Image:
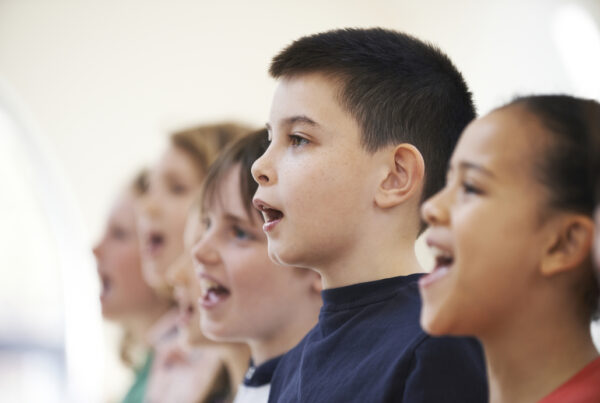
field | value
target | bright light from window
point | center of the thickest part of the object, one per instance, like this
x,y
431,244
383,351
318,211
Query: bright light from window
x,y
50,324
578,40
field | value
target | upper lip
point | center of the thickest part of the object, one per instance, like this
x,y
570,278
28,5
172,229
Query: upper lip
x,y
261,205
441,248
267,210
206,276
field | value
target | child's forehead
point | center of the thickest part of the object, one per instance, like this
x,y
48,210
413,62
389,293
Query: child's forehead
x,y
313,95
501,140
310,101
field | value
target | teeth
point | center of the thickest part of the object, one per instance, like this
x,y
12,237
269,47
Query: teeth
x,y
440,253
206,285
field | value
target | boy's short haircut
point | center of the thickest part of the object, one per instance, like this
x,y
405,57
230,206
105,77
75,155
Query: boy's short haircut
x,y
244,151
398,89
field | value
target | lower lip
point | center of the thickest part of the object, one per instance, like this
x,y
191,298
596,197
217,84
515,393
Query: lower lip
x,y
212,300
104,293
153,251
433,277
268,226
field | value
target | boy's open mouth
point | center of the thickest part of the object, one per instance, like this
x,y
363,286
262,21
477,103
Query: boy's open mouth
x,y
213,292
271,215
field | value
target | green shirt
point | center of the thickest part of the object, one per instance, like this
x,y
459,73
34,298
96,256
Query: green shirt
x,y
137,392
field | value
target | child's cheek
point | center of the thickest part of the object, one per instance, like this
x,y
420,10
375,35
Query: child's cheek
x,y
597,241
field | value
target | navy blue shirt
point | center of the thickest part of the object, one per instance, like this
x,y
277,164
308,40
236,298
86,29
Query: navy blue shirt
x,y
369,347
261,375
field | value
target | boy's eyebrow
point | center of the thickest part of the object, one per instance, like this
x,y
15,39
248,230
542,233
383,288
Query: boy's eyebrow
x,y
295,119
301,119
465,165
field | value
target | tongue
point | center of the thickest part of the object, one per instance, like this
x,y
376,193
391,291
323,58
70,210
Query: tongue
x,y
274,215
215,295
435,275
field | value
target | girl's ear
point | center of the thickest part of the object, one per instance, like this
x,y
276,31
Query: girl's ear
x,y
404,174
570,244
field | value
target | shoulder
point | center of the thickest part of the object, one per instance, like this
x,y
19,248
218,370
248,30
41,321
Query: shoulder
x,y
449,369
581,388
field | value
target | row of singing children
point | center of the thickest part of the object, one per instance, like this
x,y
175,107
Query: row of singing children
x,y
362,127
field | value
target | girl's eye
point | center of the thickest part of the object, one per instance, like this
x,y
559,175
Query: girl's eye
x,y
296,140
118,233
178,189
205,222
469,188
241,234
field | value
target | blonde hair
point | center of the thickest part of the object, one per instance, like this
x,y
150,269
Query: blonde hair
x,y
204,143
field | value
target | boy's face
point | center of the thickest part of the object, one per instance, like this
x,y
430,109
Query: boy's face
x,y
316,181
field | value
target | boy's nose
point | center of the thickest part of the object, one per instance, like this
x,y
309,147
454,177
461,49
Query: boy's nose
x,y
261,172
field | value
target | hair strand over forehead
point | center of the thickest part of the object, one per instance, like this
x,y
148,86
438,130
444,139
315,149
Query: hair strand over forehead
x,y
244,152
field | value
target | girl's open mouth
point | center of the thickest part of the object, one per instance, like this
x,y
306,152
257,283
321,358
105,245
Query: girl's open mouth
x,y
213,293
155,242
443,262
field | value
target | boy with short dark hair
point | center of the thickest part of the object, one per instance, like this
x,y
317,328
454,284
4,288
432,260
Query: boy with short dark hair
x,y
362,126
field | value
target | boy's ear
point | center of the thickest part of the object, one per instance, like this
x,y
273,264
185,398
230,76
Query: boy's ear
x,y
569,246
404,177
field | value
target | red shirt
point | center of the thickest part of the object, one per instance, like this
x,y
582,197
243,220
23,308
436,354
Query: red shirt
x,y
583,387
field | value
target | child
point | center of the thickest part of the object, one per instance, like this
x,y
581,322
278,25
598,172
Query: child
x,y
362,124
248,298
513,230
173,185
125,296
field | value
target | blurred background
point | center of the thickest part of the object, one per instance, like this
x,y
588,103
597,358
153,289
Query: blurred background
x,y
89,91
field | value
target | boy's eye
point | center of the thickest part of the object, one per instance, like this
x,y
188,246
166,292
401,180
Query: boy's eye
x,y
296,140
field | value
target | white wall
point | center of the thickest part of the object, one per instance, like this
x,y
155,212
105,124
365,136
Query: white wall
x,y
107,80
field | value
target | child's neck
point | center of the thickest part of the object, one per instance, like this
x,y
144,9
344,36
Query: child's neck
x,y
140,325
288,334
375,259
530,358
235,358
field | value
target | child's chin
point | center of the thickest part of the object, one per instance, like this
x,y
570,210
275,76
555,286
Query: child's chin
x,y
432,326
213,331
282,256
